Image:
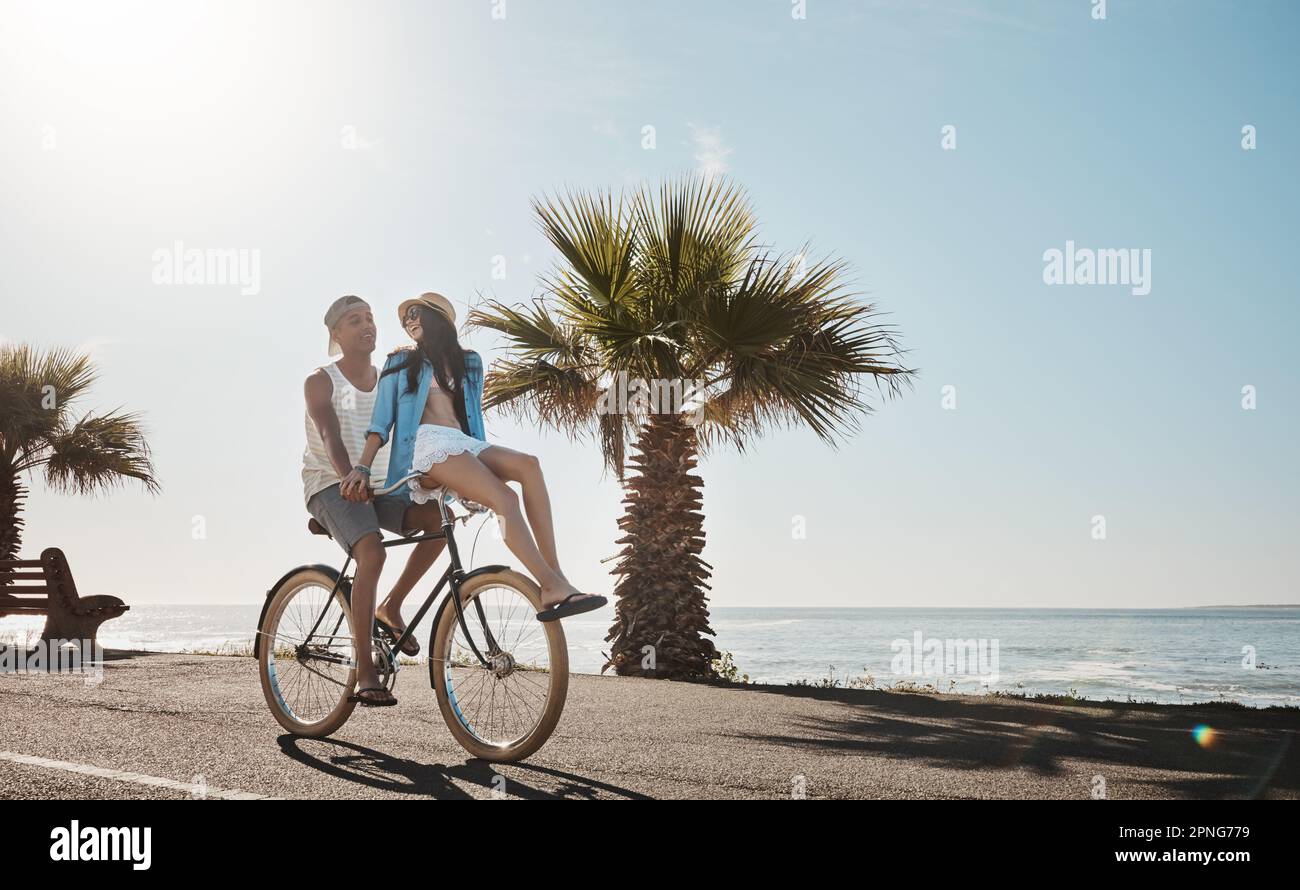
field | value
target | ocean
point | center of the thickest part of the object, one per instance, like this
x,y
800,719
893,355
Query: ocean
x,y
1246,655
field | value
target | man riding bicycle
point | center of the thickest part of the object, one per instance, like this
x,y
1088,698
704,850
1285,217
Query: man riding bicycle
x,y
340,399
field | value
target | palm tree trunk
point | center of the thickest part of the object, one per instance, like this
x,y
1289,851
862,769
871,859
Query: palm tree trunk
x,y
12,495
661,600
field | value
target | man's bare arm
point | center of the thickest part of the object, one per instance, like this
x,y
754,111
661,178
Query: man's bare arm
x,y
357,485
319,390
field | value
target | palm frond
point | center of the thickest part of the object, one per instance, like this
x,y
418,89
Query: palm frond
x,y
36,390
670,284
591,232
535,389
564,398
532,331
794,348
699,231
100,452
551,371
615,429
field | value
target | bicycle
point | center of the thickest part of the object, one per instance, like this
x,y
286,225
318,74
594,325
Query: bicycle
x,y
518,674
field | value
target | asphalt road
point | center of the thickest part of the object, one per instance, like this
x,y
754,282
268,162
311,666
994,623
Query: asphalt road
x,y
176,726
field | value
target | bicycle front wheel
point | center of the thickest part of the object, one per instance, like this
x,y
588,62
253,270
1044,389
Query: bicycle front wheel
x,y
507,710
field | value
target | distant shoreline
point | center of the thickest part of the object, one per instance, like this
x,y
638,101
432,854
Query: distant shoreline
x,y
1163,656
1260,606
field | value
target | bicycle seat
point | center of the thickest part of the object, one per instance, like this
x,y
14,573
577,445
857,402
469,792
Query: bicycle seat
x,y
448,496
316,528
470,507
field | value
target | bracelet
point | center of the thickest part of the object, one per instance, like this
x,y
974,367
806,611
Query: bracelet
x,y
361,469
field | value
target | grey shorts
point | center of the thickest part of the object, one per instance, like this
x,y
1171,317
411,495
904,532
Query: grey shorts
x,y
349,522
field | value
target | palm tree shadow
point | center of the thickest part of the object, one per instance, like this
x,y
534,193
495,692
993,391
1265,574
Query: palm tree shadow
x,y
383,772
1251,752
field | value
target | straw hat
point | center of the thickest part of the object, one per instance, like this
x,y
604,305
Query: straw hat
x,y
433,301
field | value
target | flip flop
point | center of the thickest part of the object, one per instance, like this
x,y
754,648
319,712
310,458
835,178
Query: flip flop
x,y
360,698
410,647
564,608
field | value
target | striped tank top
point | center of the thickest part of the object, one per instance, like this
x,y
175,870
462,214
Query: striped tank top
x,y
353,408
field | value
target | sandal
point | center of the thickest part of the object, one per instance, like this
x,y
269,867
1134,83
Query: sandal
x,y
564,608
410,647
360,697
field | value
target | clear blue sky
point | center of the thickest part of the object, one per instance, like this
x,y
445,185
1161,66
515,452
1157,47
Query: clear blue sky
x,y
223,125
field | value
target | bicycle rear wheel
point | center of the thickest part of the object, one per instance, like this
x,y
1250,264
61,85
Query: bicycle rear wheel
x,y
506,711
305,659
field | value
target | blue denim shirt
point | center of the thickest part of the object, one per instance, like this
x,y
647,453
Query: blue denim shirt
x,y
396,405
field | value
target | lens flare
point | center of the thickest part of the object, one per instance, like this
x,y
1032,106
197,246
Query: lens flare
x,y
1204,735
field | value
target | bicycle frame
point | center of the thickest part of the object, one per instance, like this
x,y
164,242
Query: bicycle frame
x,y
455,576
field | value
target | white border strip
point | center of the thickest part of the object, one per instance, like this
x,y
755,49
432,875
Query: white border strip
x,y
85,769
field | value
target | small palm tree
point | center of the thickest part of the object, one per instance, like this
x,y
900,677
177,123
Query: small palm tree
x,y
80,456
673,286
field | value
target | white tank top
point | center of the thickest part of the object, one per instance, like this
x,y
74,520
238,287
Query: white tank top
x,y
353,407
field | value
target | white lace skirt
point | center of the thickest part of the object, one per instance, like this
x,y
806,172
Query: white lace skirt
x,y
433,445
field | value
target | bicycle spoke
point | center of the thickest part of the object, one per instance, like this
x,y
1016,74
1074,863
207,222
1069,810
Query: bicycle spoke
x,y
310,669
502,703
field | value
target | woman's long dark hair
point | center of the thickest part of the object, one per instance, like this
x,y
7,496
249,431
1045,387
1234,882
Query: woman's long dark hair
x,y
439,347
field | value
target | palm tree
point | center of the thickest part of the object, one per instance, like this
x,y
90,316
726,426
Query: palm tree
x,y
80,456
673,285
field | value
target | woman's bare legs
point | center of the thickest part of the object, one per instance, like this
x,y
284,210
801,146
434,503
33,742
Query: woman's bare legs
x,y
424,517
472,479
515,466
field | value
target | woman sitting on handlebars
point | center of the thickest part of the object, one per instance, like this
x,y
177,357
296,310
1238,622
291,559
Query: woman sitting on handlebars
x,y
430,399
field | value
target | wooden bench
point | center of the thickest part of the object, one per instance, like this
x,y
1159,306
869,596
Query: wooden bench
x,y
45,587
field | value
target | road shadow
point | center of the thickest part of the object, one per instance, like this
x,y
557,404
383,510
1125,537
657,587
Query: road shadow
x,y
130,654
1246,753
27,653
399,775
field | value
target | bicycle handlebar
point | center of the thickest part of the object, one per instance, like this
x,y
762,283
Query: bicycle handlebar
x,y
388,489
